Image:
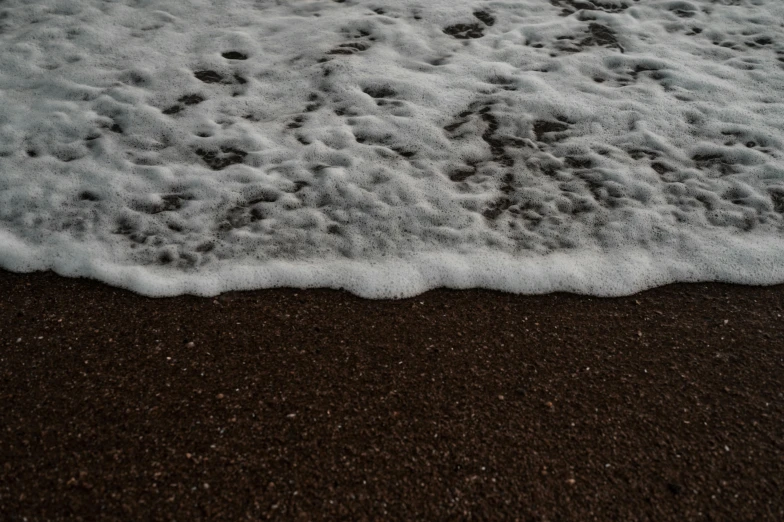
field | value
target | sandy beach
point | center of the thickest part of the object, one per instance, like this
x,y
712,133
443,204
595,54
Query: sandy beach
x,y
161,149
316,404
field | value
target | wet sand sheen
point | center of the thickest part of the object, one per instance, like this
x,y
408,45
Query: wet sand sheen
x,y
666,405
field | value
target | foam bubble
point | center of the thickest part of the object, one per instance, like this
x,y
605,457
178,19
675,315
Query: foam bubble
x,y
526,146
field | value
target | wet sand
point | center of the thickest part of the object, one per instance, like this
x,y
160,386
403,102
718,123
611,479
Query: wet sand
x,y
316,404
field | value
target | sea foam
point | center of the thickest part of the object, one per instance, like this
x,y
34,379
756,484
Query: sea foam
x,y
601,146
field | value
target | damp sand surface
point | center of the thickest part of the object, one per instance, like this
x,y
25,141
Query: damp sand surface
x,y
666,405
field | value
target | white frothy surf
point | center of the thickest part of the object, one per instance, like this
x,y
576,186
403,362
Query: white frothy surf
x,y
601,146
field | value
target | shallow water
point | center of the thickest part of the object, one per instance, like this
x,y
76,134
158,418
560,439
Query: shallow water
x,y
593,146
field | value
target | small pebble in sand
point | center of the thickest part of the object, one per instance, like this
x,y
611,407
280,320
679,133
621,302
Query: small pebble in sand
x,y
191,344
220,395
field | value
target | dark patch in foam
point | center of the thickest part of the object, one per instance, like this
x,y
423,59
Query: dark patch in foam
x,y
542,127
349,48
219,160
661,168
598,36
404,152
208,76
124,227
575,162
379,92
682,9
135,78
506,84
205,247
601,35
266,196
297,123
777,198
496,208
496,143
165,258
235,55
249,212
191,99
643,153
465,31
569,7
714,161
298,185
462,174
485,18
454,126
173,202
88,196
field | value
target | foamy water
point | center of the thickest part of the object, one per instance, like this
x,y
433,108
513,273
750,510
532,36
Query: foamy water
x,y
603,146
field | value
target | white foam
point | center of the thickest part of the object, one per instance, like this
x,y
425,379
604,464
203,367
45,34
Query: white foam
x,y
388,150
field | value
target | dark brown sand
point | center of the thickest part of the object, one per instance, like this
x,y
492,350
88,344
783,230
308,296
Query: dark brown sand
x,y
453,405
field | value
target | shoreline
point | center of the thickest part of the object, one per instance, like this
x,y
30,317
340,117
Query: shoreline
x,y
454,403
